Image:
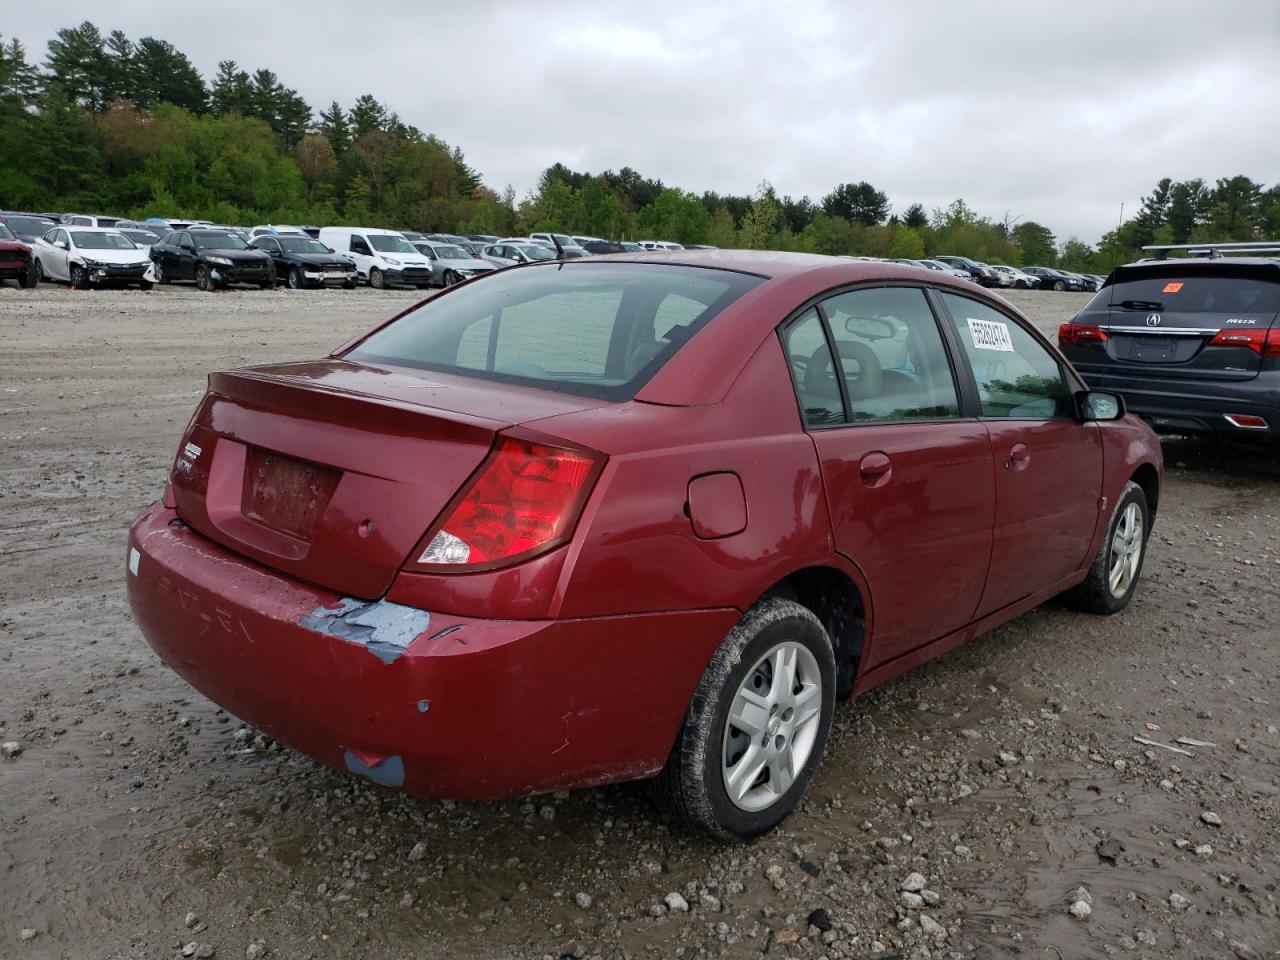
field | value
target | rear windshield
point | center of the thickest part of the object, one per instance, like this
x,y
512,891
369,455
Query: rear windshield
x,y
1228,288
594,330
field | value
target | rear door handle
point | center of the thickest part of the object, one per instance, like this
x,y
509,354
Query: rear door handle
x,y
875,469
1019,457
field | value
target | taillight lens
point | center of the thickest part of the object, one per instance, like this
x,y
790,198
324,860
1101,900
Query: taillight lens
x,y
524,500
1260,341
1073,333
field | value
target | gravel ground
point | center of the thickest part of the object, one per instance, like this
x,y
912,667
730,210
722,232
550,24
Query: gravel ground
x,y
991,804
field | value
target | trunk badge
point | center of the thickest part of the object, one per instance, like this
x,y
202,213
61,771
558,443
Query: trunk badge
x,y
1153,319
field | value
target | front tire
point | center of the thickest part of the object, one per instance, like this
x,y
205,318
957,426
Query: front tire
x,y
295,279
204,278
377,280
757,725
1113,577
31,276
79,279
144,285
1059,285
159,271
450,278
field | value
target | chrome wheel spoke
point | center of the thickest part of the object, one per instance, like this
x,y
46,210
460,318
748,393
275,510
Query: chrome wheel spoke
x,y
745,772
808,704
781,774
749,713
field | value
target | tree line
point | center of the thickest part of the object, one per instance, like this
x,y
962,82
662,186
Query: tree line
x,y
110,124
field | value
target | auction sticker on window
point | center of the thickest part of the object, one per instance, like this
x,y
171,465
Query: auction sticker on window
x,y
989,335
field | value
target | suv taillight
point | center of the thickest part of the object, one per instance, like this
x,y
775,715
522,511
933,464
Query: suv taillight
x,y
524,500
1263,342
1073,333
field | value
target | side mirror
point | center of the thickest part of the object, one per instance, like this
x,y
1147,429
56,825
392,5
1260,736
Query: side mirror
x,y
1094,405
330,249
62,245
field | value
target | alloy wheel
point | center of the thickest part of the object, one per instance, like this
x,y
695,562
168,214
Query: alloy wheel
x,y
1126,551
772,726
295,279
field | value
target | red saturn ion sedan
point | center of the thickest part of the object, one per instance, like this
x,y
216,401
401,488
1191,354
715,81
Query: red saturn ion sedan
x,y
582,522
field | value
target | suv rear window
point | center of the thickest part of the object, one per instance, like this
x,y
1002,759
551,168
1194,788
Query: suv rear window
x,y
1220,288
592,329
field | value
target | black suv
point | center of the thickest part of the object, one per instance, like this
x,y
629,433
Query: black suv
x,y
1192,344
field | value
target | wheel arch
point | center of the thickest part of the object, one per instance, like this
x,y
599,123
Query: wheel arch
x,y
1148,479
840,604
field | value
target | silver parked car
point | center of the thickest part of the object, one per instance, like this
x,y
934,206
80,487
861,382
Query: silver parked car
x,y
509,253
450,264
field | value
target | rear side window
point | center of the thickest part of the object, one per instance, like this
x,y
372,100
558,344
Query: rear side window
x,y
815,373
1228,289
595,330
895,366
1018,377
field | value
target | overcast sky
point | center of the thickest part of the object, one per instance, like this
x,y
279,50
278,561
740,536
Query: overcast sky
x,y
1043,111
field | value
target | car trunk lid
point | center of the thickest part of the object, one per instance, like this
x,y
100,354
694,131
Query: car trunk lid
x,y
331,471
1187,318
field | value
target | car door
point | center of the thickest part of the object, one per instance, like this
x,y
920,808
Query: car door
x,y
1048,464
59,256
908,475
271,247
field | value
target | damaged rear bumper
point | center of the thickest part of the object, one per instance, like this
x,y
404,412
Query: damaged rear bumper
x,y
443,706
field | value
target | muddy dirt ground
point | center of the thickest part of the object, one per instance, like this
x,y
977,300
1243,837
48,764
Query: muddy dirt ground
x,y
139,821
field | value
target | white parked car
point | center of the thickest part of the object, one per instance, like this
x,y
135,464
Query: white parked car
x,y
90,257
84,220
382,257
567,243
660,245
1013,277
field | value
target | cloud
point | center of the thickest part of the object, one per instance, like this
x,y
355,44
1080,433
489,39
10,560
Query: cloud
x,y
1047,112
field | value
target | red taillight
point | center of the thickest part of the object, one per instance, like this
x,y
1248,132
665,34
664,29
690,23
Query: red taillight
x,y
1073,333
1263,342
524,500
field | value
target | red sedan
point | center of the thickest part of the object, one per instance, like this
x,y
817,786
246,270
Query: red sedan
x,y
583,522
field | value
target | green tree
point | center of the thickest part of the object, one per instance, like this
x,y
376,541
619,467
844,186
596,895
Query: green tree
x,y
76,63
762,220
916,216
722,232
857,202
1036,244
165,75
231,91
367,116
907,244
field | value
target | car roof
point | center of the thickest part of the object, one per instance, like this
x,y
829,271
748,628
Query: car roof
x,y
1201,263
762,263
80,229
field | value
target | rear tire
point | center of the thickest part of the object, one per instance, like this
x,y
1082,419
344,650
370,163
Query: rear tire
x,y
1113,578
776,736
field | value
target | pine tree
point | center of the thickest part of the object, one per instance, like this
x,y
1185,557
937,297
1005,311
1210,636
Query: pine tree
x,y
76,63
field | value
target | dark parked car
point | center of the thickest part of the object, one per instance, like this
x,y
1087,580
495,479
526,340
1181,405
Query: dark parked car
x,y
143,238
978,272
598,247
303,262
613,518
1191,344
1051,279
212,259
15,259
27,227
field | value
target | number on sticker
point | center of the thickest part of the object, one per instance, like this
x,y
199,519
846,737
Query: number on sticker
x,y
990,335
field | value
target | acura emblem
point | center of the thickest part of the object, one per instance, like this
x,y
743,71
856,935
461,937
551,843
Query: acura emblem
x,y
1153,319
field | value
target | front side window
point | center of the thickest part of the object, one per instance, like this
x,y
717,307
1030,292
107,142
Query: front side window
x,y
814,371
894,364
1018,377
595,330
359,246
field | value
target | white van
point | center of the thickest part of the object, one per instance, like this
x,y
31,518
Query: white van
x,y
382,257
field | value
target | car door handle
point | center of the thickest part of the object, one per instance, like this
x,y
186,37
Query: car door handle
x,y
875,468
1019,457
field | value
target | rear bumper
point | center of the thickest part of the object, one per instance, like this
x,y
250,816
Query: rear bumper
x,y
443,706
1196,406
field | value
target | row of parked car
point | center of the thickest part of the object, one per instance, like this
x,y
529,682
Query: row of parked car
x,y
84,250
1002,275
